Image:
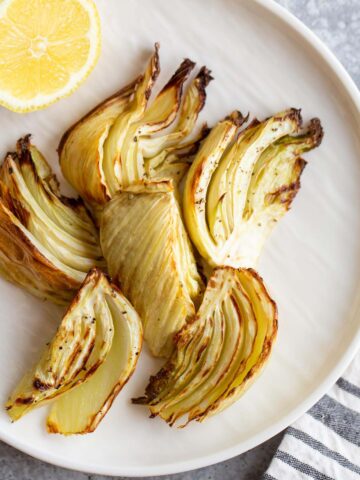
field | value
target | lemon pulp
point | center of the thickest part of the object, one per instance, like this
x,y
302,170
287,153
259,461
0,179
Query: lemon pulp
x,y
47,48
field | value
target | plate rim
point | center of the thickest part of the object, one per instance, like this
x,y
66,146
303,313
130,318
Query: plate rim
x,y
309,37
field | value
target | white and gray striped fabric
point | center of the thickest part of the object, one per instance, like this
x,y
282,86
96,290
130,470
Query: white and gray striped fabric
x,y
324,444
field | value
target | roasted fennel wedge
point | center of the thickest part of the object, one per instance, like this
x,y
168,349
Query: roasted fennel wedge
x,y
90,358
241,184
219,352
147,152
47,242
81,148
150,257
124,139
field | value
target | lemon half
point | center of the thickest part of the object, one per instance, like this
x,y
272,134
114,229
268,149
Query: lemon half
x,y
47,48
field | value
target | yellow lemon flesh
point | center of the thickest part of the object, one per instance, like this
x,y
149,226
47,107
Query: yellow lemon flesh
x,y
47,48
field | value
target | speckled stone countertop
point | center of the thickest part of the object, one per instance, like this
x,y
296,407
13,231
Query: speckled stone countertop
x,y
337,23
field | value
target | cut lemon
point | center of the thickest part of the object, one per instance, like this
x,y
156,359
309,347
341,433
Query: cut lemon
x,y
47,48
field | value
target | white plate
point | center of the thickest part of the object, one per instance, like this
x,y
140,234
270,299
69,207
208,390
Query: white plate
x,y
263,61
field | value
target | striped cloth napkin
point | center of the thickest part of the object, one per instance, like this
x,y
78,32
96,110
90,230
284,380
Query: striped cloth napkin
x,y
324,444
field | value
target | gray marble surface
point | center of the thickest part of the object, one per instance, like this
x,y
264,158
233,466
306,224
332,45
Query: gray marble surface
x,y
337,23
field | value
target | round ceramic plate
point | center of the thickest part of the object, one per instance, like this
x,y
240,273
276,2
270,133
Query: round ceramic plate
x,y
263,61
